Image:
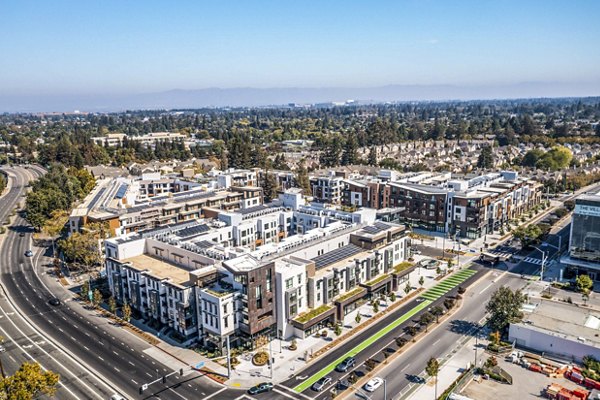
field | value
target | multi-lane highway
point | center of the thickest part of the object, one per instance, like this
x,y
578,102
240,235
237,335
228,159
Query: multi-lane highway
x,y
94,358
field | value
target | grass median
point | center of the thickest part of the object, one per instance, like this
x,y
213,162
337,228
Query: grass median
x,y
434,293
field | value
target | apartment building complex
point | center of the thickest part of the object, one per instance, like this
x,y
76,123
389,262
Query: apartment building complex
x,y
198,281
469,207
130,205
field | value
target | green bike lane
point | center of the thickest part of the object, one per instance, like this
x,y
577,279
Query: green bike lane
x,y
424,301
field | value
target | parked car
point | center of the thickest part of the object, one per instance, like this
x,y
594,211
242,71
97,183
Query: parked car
x,y
261,388
373,384
21,234
117,397
29,253
346,364
2,349
321,383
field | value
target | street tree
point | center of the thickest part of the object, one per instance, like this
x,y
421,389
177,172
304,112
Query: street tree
x,y
112,305
85,291
426,319
97,298
433,369
528,235
357,318
28,382
81,249
505,308
421,281
126,309
55,225
584,284
407,288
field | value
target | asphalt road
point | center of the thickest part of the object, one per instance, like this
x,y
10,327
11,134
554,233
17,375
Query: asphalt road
x,y
373,350
97,349
405,369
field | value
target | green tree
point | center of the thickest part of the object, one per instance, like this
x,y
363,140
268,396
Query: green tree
x,y
337,330
357,318
433,369
421,281
372,157
407,288
349,154
375,306
85,291
126,309
96,298
82,249
486,158
392,297
269,186
426,319
302,180
528,235
28,382
584,284
2,183
505,308
112,305
54,226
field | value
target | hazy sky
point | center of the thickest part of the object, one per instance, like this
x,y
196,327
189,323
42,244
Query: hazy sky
x,y
91,47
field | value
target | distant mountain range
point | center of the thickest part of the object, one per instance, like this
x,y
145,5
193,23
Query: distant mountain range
x,y
240,97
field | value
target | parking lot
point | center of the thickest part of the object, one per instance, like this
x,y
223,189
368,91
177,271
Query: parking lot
x,y
526,385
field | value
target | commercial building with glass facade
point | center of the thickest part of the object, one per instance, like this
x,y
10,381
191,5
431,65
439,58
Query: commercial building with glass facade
x,y
584,243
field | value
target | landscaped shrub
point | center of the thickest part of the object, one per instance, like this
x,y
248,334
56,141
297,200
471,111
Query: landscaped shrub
x,y
260,358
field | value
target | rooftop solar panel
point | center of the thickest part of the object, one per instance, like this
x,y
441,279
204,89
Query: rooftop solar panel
x,y
192,231
122,190
336,255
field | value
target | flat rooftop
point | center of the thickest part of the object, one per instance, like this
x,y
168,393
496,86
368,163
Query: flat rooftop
x,y
160,269
564,320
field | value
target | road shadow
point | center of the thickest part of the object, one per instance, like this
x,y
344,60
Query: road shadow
x,y
464,327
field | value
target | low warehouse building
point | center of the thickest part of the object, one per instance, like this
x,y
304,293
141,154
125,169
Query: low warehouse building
x,y
559,329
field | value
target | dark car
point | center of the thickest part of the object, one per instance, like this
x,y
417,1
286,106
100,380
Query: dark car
x,y
261,388
21,234
321,383
345,365
29,253
54,301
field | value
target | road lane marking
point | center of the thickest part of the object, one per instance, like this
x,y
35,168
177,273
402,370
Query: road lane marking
x,y
486,288
215,393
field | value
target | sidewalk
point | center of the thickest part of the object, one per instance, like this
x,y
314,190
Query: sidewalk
x,y
453,364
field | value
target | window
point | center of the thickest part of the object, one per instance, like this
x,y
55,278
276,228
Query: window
x,y
225,323
258,293
289,283
299,279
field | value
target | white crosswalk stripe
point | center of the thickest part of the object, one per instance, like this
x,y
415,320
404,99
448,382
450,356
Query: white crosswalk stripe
x,y
532,260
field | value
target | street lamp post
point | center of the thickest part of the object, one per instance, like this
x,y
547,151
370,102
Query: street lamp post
x,y
544,258
384,389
